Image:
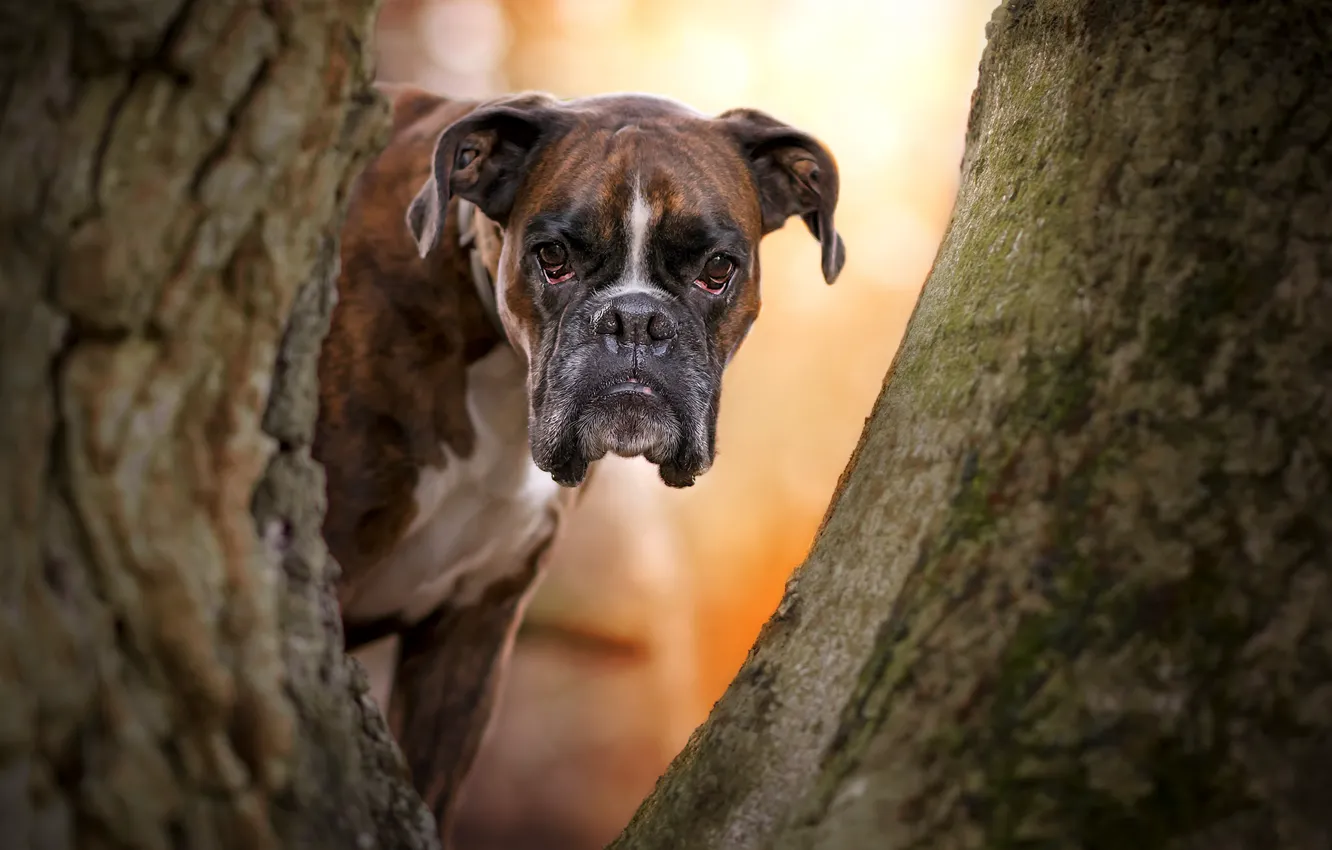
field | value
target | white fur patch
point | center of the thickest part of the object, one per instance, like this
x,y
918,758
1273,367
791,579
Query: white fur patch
x,y
477,519
640,217
637,222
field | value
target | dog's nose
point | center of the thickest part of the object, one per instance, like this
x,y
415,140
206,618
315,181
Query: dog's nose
x,y
636,319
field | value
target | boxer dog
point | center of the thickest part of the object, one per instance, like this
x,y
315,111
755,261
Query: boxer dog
x,y
526,285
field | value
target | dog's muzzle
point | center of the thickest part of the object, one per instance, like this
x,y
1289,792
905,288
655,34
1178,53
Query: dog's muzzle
x,y
631,375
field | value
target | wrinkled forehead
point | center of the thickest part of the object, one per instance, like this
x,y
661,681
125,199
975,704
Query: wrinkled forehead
x,y
627,151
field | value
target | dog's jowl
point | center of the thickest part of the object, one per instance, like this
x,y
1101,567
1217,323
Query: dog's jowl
x,y
528,284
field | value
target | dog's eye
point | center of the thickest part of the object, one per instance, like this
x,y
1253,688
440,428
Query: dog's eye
x,y
717,272
554,260
465,156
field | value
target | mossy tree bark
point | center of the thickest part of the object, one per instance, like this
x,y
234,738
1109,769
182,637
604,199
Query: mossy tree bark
x,y
171,672
1075,590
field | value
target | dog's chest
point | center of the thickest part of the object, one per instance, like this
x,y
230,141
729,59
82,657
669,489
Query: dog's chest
x,y
479,518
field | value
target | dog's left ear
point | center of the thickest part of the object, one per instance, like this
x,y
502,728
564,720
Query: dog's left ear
x,y
795,174
483,157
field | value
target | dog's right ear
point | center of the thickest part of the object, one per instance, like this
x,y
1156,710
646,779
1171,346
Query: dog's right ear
x,y
483,158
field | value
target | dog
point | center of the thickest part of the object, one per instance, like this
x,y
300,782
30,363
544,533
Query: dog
x,y
527,284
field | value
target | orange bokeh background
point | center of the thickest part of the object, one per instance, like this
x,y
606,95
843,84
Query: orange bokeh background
x,y
653,601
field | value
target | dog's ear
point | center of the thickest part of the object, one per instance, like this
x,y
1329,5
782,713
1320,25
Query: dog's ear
x,y
795,174
483,158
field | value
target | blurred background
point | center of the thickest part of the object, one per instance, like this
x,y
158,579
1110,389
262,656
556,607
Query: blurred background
x,y
654,596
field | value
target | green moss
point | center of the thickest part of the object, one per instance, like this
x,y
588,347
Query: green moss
x,y
979,300
1040,747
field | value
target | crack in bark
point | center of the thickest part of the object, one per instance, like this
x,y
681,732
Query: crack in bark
x,y
219,151
173,31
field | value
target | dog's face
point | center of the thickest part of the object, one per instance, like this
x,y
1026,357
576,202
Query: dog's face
x,y
629,274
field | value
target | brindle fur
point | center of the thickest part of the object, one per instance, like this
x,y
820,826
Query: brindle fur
x,y
394,371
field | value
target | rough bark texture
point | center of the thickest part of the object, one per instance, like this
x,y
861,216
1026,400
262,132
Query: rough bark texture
x,y
171,672
1074,591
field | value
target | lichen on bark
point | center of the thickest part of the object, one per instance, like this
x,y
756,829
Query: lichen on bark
x,y
1091,499
171,671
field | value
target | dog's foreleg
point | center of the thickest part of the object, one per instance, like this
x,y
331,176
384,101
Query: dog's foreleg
x,y
445,685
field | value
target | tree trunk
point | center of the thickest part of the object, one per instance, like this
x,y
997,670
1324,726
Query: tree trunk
x,y
1074,590
171,671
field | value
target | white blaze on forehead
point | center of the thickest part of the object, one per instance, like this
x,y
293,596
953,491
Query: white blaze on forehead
x,y
640,216
637,221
